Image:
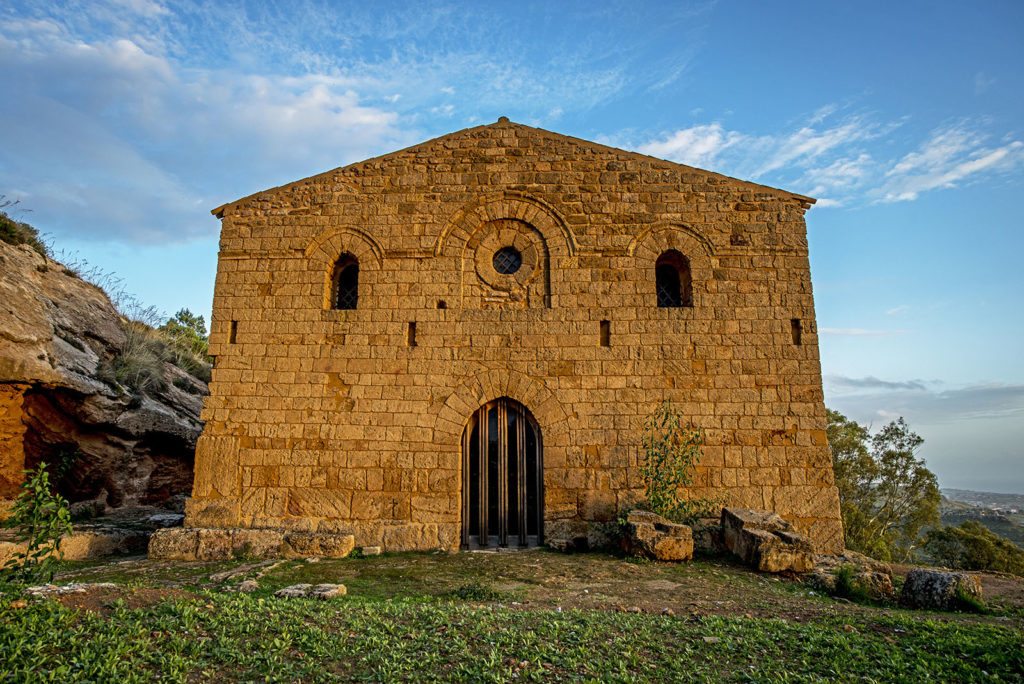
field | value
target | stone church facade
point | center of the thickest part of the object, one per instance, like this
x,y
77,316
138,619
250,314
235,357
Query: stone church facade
x,y
456,345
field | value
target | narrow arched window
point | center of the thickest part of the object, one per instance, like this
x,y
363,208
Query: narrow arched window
x,y
345,290
673,281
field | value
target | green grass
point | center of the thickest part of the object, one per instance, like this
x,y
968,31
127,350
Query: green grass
x,y
252,638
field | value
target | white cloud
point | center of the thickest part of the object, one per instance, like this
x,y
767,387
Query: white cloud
x,y
110,133
897,309
696,146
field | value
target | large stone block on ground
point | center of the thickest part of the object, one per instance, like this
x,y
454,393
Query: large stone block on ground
x,y
765,541
649,534
939,589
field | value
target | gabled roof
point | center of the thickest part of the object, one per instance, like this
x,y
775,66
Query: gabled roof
x,y
503,122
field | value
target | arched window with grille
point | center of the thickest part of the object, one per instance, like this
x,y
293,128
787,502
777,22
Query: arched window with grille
x,y
673,281
345,283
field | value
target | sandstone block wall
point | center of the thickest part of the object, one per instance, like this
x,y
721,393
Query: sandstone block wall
x,y
351,420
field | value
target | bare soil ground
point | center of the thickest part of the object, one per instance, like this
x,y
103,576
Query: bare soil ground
x,y
522,580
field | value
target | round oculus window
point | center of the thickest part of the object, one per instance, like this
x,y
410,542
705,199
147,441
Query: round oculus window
x,y
507,260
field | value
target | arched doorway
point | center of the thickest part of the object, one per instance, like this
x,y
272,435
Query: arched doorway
x,y
502,477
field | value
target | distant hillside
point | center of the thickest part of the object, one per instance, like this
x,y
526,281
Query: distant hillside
x,y
1001,513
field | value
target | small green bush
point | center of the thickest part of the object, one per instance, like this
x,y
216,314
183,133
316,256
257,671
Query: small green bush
x,y
671,450
40,517
474,591
139,365
19,233
849,587
972,546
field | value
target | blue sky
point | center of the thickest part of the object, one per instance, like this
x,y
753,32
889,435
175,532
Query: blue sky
x,y
124,122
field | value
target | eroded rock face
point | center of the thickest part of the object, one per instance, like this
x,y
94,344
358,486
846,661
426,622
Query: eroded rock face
x,y
939,589
649,534
119,449
765,541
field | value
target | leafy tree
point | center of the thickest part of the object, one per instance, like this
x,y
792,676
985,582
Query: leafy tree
x,y
670,454
887,494
187,331
40,517
972,546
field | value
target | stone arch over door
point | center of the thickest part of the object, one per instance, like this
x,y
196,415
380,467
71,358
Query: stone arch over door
x,y
458,408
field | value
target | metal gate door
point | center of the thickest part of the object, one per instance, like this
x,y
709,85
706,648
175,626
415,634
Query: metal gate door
x,y
502,478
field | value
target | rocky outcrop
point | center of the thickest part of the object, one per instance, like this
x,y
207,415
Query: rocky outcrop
x,y
765,541
649,534
940,590
58,402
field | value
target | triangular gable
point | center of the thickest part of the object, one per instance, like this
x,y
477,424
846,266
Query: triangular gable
x,y
593,147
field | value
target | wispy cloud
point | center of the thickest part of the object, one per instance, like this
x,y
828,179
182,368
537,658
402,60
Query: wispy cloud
x,y
871,382
897,309
134,117
982,82
860,331
827,156
950,156
918,402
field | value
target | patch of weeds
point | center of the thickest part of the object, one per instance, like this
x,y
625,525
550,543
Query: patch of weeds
x,y
15,232
849,587
967,602
70,272
474,591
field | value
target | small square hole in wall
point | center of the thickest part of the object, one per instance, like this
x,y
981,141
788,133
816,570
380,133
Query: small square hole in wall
x,y
606,334
441,304
797,328
233,332
410,334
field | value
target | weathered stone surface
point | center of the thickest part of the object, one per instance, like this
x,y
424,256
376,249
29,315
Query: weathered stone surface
x,y
58,332
873,576
86,544
248,586
707,536
765,541
938,589
294,591
651,535
315,544
371,550
192,543
353,419
318,591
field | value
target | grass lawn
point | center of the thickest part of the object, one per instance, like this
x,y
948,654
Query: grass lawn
x,y
489,617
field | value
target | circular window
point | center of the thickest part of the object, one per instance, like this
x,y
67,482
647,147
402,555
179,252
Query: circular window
x,y
507,260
